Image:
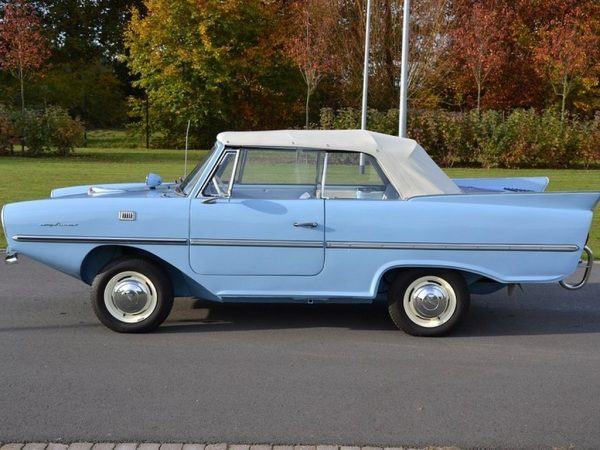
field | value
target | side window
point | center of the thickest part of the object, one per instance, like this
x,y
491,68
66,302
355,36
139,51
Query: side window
x,y
277,174
346,178
220,182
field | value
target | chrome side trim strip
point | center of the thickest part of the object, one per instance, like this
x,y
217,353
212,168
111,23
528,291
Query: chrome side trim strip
x,y
300,244
100,240
255,243
455,247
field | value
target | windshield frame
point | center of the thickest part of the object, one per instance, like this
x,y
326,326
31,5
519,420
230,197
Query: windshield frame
x,y
191,180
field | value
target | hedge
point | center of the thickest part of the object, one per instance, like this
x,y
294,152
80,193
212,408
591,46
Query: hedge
x,y
518,139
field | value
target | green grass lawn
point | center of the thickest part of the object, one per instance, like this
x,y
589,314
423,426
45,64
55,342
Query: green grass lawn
x,y
113,139
28,178
33,178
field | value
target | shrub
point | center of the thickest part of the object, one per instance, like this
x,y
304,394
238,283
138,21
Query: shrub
x,y
383,122
7,131
489,138
589,151
423,127
32,129
350,119
64,132
521,138
342,119
52,130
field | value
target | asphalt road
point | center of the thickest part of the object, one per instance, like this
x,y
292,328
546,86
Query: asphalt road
x,y
523,371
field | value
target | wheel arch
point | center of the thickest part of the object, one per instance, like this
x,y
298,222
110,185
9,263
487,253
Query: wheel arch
x,y
477,282
100,256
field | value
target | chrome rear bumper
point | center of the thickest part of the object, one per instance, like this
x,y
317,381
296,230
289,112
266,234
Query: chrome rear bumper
x,y
587,266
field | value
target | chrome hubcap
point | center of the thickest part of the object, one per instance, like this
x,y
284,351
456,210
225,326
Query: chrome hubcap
x,y
430,301
130,297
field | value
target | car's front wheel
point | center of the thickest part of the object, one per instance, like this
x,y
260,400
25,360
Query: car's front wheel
x,y
428,302
131,295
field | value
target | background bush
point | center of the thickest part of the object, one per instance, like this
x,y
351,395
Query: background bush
x,y
31,130
48,131
519,139
64,133
7,131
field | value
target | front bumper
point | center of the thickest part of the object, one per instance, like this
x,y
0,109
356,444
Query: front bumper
x,y
11,258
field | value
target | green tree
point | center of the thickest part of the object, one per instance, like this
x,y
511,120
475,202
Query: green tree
x,y
86,72
88,76
218,64
84,29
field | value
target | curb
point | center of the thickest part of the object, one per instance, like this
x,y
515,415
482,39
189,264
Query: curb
x,y
187,446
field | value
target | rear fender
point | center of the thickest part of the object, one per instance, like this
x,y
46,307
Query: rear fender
x,y
476,283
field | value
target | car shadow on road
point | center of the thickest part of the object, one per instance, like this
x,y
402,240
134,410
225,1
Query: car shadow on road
x,y
227,317
483,319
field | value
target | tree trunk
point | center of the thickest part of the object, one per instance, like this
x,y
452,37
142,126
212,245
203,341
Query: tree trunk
x,y
563,105
84,112
307,104
22,83
478,98
147,119
477,73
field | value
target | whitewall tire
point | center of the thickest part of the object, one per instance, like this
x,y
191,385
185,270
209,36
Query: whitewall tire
x,y
428,302
131,295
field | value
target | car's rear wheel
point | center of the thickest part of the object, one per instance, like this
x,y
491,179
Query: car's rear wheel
x,y
428,302
131,295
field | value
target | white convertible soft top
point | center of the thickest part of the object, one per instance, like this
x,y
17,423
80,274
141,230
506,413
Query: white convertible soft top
x,y
408,167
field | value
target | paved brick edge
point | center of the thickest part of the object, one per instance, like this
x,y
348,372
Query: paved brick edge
x,y
187,446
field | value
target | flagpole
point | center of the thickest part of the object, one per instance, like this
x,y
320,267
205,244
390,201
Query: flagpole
x,y
404,71
363,121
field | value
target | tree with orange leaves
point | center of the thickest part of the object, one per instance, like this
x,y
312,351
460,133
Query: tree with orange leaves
x,y
568,52
23,47
478,39
311,48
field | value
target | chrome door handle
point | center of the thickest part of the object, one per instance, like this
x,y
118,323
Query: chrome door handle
x,y
306,224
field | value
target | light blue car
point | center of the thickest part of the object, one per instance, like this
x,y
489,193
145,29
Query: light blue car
x,y
306,216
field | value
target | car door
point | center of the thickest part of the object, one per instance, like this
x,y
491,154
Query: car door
x,y
362,211
259,214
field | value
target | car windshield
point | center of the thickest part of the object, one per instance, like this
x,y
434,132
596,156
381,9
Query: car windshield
x,y
190,181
